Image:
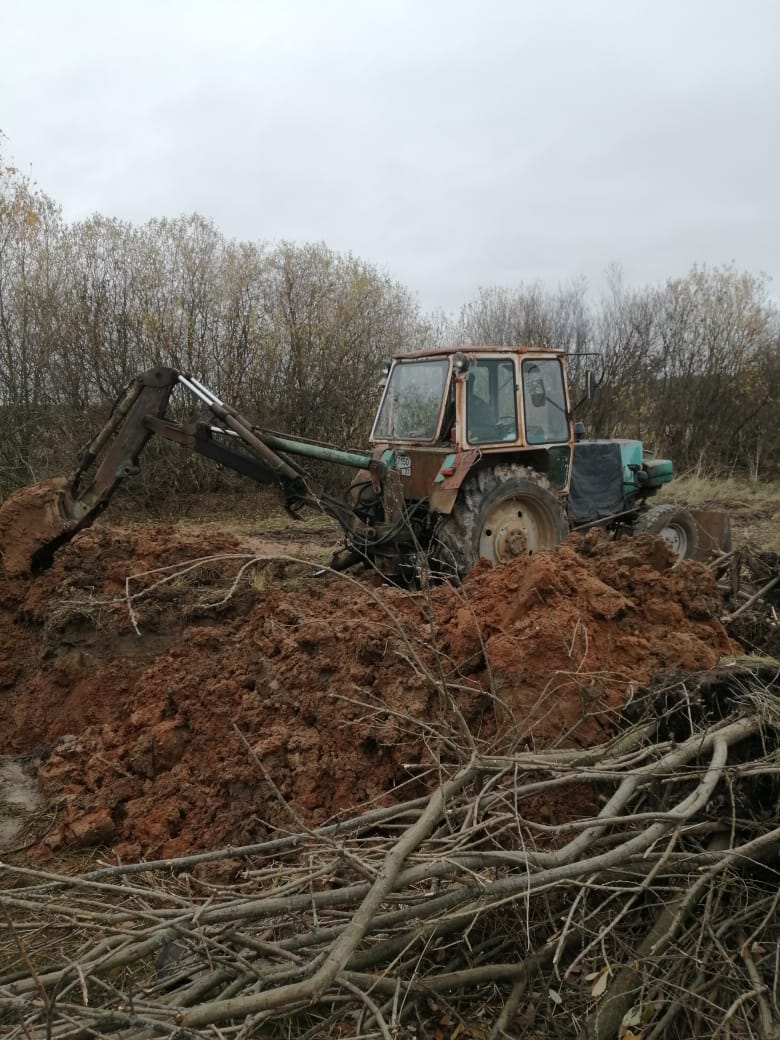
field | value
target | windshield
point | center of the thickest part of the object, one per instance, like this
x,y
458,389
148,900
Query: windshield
x,y
544,401
412,402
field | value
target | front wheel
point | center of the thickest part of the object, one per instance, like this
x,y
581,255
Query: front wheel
x,y
675,525
501,512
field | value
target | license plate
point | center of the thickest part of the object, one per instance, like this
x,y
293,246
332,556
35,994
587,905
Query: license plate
x,y
403,463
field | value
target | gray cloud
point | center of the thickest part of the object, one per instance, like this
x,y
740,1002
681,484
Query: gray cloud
x,y
454,144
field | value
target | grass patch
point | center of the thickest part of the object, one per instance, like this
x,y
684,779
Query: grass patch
x,y
753,506
700,491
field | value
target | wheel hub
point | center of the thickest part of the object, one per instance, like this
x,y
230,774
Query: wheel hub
x,y
511,540
510,530
676,538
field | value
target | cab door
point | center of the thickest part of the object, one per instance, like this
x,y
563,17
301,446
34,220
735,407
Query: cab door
x,y
491,401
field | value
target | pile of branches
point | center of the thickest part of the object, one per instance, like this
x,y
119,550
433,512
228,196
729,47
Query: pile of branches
x,y
749,580
629,890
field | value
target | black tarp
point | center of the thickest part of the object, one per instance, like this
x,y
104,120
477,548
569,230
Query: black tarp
x,y
596,487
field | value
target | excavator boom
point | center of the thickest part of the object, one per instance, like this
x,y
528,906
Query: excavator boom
x,y
37,520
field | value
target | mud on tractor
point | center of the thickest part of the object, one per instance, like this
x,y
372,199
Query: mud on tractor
x,y
473,453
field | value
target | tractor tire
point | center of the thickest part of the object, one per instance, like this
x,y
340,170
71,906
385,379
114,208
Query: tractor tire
x,y
675,525
501,512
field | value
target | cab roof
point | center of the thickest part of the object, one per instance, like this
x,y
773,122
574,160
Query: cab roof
x,y
432,352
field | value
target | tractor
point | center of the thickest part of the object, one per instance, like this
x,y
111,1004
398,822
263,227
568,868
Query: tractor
x,y
482,459
474,453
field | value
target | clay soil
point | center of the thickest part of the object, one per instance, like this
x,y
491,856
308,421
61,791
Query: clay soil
x,y
177,688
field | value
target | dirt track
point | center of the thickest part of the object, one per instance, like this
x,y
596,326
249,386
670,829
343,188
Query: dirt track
x,y
227,698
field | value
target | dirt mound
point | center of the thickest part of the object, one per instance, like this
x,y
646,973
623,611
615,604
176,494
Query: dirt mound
x,y
177,705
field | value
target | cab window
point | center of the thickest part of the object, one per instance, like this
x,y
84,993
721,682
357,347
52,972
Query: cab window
x,y
544,401
412,402
491,401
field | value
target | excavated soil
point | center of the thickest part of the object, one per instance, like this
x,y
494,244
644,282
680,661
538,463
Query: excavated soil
x,y
176,693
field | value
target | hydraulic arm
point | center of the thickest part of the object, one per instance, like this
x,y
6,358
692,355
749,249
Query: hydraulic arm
x,y
36,521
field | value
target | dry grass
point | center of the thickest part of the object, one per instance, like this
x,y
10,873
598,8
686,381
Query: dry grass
x,y
753,506
698,490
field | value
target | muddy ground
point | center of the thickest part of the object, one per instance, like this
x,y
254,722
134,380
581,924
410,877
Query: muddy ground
x,y
176,688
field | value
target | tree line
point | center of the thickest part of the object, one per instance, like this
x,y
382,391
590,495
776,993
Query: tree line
x,y
293,336
691,368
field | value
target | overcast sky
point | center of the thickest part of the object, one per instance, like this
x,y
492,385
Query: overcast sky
x,y
452,144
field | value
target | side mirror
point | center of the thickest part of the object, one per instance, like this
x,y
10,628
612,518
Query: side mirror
x,y
384,372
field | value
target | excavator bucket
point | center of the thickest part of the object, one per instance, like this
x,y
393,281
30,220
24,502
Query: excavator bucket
x,y
33,525
37,520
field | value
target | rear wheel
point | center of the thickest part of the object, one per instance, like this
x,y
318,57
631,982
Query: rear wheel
x,y
675,525
501,512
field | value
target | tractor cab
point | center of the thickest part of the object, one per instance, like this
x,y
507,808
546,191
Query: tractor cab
x,y
486,398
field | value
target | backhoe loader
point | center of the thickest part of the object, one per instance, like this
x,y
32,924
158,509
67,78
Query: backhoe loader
x,y
473,454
